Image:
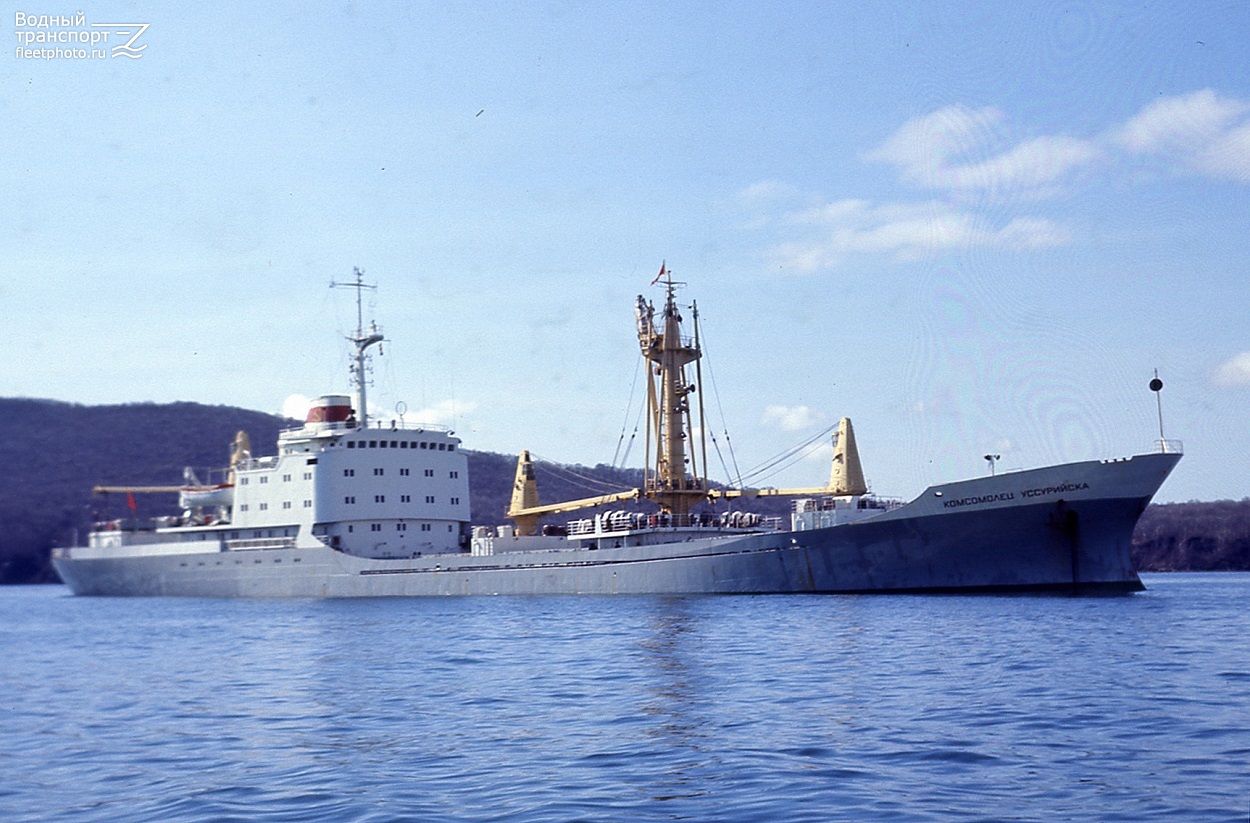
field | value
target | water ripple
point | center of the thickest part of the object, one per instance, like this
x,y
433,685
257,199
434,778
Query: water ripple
x,y
631,708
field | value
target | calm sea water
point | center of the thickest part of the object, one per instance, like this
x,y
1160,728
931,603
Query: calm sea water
x,y
629,708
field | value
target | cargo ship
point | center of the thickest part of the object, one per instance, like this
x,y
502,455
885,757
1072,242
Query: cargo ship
x,y
354,507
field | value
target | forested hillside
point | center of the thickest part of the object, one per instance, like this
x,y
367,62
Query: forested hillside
x,y
1194,537
59,451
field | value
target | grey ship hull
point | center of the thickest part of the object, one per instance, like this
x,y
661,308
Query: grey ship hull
x,y
1058,528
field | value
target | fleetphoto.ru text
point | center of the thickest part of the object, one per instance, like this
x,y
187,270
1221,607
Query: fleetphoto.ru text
x,y
71,37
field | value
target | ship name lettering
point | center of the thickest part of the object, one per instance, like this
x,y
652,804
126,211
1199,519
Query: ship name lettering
x,y
983,498
1045,490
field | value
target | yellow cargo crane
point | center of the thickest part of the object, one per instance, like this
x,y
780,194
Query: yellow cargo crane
x,y
674,479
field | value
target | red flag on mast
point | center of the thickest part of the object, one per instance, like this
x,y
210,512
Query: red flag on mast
x,y
661,274
130,501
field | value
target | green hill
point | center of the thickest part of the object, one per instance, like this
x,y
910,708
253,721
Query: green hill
x,y
61,450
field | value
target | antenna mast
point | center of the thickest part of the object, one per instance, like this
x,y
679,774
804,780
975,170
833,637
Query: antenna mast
x,y
361,341
669,483
1156,386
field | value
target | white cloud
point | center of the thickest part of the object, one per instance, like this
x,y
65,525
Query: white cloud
x,y
1027,167
958,151
921,146
1235,371
958,148
1228,155
1200,131
905,231
296,406
790,418
443,413
765,192
1176,123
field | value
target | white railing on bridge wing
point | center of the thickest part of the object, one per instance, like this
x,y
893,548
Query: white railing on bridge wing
x,y
254,543
374,425
1170,446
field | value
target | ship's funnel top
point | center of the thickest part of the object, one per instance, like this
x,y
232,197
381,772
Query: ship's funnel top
x,y
331,408
846,476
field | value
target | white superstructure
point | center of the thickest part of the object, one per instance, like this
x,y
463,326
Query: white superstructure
x,y
387,491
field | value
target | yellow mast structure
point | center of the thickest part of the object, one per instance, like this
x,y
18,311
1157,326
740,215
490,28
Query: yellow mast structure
x,y
670,482
673,478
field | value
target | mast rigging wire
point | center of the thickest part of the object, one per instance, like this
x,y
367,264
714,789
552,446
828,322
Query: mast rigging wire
x,y
628,406
724,423
560,470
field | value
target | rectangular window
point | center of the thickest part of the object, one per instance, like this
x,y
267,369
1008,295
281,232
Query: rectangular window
x,y
429,498
286,504
373,444
379,472
349,472
442,447
308,475
264,507
381,444
403,472
264,480
349,500
403,444
308,504
405,498
379,498
286,478
424,444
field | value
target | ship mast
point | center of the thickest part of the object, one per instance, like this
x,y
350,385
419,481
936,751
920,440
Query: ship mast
x,y
361,341
668,482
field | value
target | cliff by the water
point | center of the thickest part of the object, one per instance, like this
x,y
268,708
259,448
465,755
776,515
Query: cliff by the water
x,y
59,451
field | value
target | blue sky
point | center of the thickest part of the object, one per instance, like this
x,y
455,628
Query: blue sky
x,y
970,227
